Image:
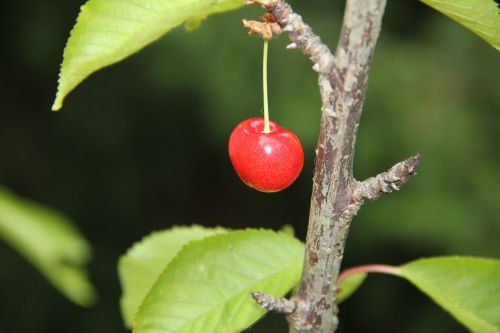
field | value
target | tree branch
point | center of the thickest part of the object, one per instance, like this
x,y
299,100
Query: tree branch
x,y
336,195
386,182
303,37
342,81
271,303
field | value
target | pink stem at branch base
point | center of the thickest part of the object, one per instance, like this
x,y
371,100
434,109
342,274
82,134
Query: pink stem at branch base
x,y
373,268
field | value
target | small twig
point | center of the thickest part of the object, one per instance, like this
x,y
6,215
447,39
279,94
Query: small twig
x,y
272,303
386,182
303,36
372,268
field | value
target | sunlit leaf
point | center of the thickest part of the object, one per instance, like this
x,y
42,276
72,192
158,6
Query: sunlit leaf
x,y
468,288
206,287
142,264
50,242
108,31
480,16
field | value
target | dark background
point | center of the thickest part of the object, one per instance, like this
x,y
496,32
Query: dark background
x,y
141,146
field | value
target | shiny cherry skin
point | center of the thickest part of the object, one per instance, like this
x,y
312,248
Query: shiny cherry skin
x,y
268,162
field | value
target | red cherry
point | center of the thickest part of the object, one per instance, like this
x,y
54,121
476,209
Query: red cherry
x,y
268,162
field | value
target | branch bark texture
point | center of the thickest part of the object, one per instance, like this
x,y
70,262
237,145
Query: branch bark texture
x,y
336,195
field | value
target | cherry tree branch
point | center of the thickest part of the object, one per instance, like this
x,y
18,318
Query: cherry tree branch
x,y
386,182
303,37
336,195
272,303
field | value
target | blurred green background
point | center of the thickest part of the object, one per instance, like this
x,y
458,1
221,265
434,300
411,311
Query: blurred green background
x,y
141,146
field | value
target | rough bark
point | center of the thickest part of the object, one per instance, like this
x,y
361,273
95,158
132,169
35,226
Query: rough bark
x,y
336,195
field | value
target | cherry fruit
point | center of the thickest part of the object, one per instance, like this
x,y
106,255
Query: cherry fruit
x,y
267,160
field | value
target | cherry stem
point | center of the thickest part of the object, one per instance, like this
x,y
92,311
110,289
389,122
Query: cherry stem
x,y
267,128
374,268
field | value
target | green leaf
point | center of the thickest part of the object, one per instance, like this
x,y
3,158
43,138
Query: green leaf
x,y
206,287
50,242
350,285
480,16
194,22
142,264
288,229
468,288
108,31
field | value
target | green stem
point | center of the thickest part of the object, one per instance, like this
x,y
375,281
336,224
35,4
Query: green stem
x,y
267,129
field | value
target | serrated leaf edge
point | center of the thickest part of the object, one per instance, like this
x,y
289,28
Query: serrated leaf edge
x,y
176,258
154,234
